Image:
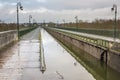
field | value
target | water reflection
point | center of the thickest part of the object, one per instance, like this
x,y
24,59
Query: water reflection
x,y
5,54
99,70
10,66
60,64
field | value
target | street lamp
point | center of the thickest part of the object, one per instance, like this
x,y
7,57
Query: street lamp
x,y
34,23
76,17
19,6
63,23
114,8
30,17
57,24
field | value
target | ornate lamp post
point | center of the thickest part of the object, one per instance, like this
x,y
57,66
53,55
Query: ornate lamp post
x,y
64,23
30,17
76,18
114,8
19,6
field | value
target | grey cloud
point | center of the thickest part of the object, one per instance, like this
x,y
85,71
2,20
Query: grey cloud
x,y
79,4
59,9
65,4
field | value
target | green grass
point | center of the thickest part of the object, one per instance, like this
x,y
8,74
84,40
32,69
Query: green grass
x,y
101,32
24,31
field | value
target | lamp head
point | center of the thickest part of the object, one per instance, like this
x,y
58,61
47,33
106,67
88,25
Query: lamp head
x,y
21,7
112,9
30,16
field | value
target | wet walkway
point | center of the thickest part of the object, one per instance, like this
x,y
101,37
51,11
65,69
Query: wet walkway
x,y
22,61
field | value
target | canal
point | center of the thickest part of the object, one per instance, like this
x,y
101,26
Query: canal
x,y
21,61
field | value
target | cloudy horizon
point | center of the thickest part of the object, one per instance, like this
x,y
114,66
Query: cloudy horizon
x,y
57,10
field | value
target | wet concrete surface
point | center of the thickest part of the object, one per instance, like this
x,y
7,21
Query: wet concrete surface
x,y
22,60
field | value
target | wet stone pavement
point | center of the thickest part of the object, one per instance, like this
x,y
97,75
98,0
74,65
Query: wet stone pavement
x,y
21,61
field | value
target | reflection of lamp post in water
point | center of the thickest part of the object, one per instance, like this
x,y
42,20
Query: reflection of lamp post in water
x,y
21,8
114,8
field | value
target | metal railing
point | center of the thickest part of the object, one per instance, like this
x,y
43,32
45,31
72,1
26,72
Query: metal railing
x,y
91,40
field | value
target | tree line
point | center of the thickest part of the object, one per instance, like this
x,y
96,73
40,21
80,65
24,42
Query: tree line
x,y
96,24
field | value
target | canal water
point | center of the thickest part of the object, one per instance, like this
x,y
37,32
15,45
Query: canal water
x,y
21,61
59,63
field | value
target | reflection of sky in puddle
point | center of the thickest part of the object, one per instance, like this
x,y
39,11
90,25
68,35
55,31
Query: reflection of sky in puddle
x,y
11,68
25,54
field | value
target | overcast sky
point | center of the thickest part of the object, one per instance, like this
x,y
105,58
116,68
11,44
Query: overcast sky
x,y
57,10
